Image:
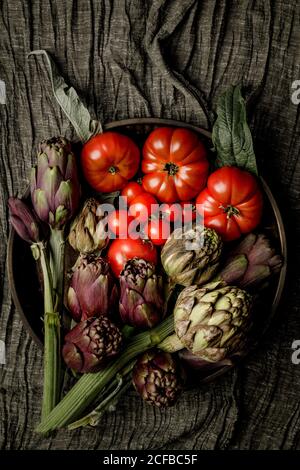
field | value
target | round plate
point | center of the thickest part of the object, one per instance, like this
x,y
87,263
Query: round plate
x,y
23,277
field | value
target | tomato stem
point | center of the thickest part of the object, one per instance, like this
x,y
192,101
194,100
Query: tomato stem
x,y
171,168
230,210
113,170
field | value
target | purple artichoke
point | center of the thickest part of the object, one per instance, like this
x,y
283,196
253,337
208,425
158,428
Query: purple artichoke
x,y
197,363
23,220
92,292
158,378
91,343
141,299
55,189
251,262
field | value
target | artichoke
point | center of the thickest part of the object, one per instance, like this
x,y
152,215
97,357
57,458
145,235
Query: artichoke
x,y
211,321
92,290
192,256
158,378
141,299
55,189
23,220
90,344
251,262
192,361
87,233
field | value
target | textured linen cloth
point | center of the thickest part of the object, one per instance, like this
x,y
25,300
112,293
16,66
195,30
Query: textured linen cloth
x,y
158,58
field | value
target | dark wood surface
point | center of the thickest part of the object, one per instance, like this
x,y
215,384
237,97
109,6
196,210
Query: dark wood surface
x,y
158,58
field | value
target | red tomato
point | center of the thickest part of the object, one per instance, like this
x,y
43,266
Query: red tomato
x,y
118,222
121,251
232,202
188,211
175,164
170,212
185,211
131,191
141,207
109,160
158,230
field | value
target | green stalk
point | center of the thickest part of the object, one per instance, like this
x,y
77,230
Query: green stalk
x,y
94,418
110,398
57,253
57,265
51,387
89,386
171,344
47,279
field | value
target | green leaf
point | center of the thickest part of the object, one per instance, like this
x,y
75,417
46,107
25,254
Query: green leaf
x,y
108,198
231,134
70,103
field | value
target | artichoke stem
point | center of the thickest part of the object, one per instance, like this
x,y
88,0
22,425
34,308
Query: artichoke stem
x,y
47,279
57,265
57,252
51,387
51,394
88,387
171,344
117,388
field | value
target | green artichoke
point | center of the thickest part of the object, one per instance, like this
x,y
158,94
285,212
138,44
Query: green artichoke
x,y
87,232
158,378
55,189
212,321
142,294
90,344
192,361
251,263
191,257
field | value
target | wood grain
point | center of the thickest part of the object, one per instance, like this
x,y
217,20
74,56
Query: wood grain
x,y
157,58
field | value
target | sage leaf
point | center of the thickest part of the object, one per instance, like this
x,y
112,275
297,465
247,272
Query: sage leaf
x,y
108,198
69,101
231,135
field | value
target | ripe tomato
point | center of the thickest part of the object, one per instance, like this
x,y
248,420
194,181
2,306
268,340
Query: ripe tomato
x,y
118,222
131,191
175,164
141,207
109,160
232,202
170,212
185,211
188,211
121,251
158,230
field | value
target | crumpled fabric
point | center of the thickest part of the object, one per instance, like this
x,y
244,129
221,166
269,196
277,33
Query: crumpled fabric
x,y
169,59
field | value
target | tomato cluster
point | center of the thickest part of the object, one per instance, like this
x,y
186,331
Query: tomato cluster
x,y
174,163
175,168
